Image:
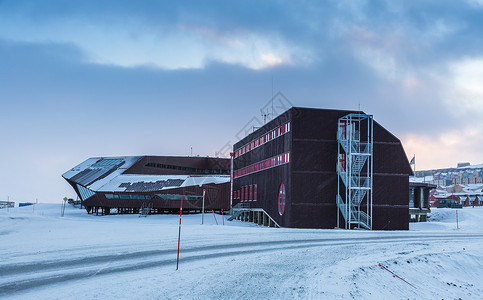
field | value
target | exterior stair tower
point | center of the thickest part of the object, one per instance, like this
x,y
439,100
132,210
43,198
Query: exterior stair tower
x,y
355,171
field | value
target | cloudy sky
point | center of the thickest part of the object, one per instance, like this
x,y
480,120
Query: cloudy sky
x,y
106,78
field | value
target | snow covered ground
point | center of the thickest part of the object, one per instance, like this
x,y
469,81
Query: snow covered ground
x,y
80,256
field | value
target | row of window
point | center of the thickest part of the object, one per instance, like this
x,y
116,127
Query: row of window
x,y
188,169
130,196
107,163
178,197
246,193
152,197
263,165
267,137
249,193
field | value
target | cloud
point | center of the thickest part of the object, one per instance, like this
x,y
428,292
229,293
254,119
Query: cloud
x,y
445,149
182,41
465,94
89,78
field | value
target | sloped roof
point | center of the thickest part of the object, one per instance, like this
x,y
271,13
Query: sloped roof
x,y
97,171
106,174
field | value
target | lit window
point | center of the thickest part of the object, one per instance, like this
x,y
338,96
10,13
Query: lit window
x,y
281,199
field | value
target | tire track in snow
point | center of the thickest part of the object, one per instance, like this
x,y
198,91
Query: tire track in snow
x,y
19,277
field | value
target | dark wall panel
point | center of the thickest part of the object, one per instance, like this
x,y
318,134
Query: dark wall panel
x,y
313,216
386,217
314,188
209,163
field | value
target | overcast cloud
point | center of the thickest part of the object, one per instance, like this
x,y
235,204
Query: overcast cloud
x,y
82,78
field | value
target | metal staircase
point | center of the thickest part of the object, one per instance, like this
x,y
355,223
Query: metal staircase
x,y
355,171
242,211
145,209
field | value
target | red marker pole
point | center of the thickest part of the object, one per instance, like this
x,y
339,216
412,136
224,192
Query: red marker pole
x,y
179,233
396,275
222,217
214,216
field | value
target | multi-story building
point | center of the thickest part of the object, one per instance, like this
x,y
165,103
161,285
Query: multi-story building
x,y
320,168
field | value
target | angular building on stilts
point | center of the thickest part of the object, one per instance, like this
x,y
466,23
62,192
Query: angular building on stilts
x,y
133,184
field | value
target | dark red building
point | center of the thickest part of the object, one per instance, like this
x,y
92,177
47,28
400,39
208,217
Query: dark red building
x,y
287,169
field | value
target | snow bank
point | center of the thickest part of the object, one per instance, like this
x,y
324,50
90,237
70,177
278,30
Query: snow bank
x,y
80,256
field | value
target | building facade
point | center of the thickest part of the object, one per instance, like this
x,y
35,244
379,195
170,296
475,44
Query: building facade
x,y
119,185
287,169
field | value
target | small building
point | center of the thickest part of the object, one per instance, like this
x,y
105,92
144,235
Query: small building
x,y
290,171
131,184
7,204
419,204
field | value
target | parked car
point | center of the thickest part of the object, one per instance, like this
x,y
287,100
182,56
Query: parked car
x,y
449,203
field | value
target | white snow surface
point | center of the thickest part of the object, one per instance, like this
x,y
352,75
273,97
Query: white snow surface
x,y
81,256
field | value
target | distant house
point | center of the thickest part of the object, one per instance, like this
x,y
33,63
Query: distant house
x,y
466,194
464,173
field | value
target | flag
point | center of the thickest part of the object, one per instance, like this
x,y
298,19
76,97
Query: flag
x,y
413,161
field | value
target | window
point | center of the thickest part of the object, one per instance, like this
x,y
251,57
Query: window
x,y
281,199
255,192
250,193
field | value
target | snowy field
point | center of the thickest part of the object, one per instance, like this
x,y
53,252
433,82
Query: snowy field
x,y
80,256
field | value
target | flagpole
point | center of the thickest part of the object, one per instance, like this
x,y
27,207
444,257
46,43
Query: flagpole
x,y
413,162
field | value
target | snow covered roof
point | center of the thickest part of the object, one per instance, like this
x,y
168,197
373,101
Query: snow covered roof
x,y
480,166
148,183
466,190
97,171
105,174
425,179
